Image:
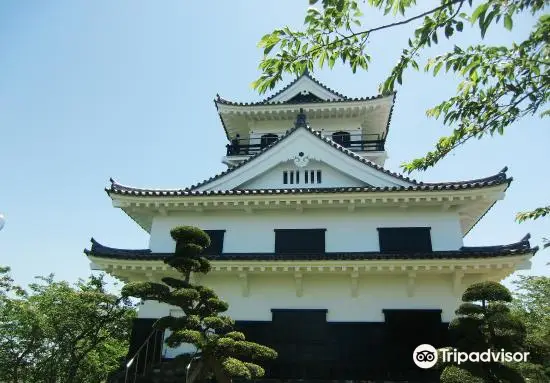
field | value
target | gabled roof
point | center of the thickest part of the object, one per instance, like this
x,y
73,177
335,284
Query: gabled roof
x,y
519,248
330,95
118,187
307,75
309,102
412,185
223,101
272,100
319,136
307,92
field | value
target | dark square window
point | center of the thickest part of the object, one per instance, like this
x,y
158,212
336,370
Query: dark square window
x,y
405,239
299,241
216,242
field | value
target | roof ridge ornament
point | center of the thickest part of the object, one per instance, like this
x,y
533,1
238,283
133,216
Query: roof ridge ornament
x,y
301,119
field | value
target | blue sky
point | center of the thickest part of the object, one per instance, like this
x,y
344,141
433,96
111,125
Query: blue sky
x,y
92,90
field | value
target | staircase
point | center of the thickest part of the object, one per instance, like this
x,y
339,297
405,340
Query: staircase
x,y
148,366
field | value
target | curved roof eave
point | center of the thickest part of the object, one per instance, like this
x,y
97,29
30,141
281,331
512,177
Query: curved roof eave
x,y
518,248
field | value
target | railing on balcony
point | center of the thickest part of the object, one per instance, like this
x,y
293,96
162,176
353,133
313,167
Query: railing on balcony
x,y
353,142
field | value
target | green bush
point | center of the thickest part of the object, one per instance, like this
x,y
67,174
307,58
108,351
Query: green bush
x,y
455,374
481,327
487,291
190,234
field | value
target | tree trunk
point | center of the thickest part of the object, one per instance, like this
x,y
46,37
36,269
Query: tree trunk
x,y
194,372
221,376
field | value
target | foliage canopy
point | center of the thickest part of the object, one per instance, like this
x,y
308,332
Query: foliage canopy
x,y
57,332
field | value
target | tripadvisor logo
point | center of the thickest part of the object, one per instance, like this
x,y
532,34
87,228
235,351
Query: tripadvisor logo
x,y
426,356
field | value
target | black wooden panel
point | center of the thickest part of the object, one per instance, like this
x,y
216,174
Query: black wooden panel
x,y
216,242
299,241
347,350
302,341
406,330
405,239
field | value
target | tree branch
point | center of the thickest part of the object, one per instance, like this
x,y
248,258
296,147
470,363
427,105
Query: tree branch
x,y
366,33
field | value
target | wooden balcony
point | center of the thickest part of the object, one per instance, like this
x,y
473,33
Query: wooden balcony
x,y
355,143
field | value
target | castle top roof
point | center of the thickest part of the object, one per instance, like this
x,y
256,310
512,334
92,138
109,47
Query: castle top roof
x,y
303,89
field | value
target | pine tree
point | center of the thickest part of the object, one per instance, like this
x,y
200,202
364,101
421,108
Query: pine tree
x,y
223,353
484,323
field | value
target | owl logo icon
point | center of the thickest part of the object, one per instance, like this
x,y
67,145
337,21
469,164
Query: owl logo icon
x,y
425,356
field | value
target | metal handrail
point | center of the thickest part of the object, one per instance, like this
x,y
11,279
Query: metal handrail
x,y
137,354
354,142
364,136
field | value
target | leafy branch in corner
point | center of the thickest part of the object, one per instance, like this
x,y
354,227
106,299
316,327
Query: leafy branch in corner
x,y
498,85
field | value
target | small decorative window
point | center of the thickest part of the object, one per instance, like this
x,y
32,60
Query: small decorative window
x,y
293,177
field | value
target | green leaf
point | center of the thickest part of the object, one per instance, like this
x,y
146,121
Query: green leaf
x,y
448,31
332,60
322,58
508,23
437,67
479,11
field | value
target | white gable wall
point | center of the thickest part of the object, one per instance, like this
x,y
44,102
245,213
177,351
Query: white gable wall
x,y
313,147
345,231
330,177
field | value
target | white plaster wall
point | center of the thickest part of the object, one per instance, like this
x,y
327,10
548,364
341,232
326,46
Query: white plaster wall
x,y
346,231
328,291
325,291
330,177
